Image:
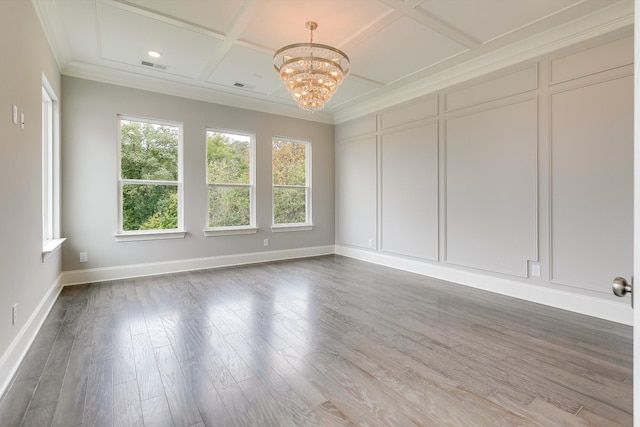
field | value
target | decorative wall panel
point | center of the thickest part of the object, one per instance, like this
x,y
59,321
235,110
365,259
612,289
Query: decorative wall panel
x,y
491,188
489,90
410,192
411,112
591,61
356,169
356,127
592,184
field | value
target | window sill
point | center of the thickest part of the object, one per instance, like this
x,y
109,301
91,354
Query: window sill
x,y
48,248
136,236
229,231
291,227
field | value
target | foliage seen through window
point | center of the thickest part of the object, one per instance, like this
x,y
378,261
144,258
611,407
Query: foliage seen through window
x,y
290,181
229,179
149,173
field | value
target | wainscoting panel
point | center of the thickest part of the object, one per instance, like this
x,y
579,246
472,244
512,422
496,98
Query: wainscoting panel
x,y
491,188
410,192
357,127
597,59
592,184
356,170
497,88
410,112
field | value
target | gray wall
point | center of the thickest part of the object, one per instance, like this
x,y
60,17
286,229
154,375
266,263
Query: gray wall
x,y
24,278
90,144
529,165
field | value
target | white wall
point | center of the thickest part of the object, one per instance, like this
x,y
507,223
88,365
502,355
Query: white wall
x,y
531,165
90,144
24,278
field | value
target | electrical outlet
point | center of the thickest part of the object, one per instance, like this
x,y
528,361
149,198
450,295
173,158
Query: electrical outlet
x,y
535,270
370,243
14,314
84,256
266,242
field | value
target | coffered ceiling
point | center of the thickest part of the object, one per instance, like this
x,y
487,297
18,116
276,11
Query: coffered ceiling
x,y
221,50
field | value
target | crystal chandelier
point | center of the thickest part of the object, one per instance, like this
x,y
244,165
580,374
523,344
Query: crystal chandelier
x,y
311,71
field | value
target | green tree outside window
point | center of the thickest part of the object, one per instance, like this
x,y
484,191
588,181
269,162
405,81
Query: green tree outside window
x,y
290,181
149,175
229,178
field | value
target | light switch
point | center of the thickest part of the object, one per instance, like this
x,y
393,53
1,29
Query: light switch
x,y
15,114
21,120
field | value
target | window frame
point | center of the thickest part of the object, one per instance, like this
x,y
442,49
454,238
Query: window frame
x,y
240,229
308,224
137,235
51,240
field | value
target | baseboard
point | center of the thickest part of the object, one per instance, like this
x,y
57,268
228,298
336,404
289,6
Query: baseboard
x,y
12,357
92,275
596,307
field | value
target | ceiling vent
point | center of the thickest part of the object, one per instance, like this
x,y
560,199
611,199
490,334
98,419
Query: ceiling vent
x,y
244,85
153,65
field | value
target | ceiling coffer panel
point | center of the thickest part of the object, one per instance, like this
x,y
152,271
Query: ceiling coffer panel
x,y
282,22
217,16
126,37
399,50
488,19
252,68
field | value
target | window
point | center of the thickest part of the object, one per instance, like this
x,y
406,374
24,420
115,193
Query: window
x,y
50,171
230,183
150,184
291,172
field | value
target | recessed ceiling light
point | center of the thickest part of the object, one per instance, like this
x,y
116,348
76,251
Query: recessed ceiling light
x,y
154,54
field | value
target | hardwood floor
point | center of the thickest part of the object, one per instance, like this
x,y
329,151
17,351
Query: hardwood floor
x,y
325,341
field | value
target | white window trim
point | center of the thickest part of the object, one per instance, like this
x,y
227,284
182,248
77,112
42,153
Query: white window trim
x,y
50,247
233,230
136,236
282,228
308,224
229,231
139,235
51,240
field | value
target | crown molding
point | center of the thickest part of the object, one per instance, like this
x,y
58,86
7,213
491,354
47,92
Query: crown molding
x,y
46,13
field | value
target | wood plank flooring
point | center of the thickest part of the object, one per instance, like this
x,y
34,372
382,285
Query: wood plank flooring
x,y
326,341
